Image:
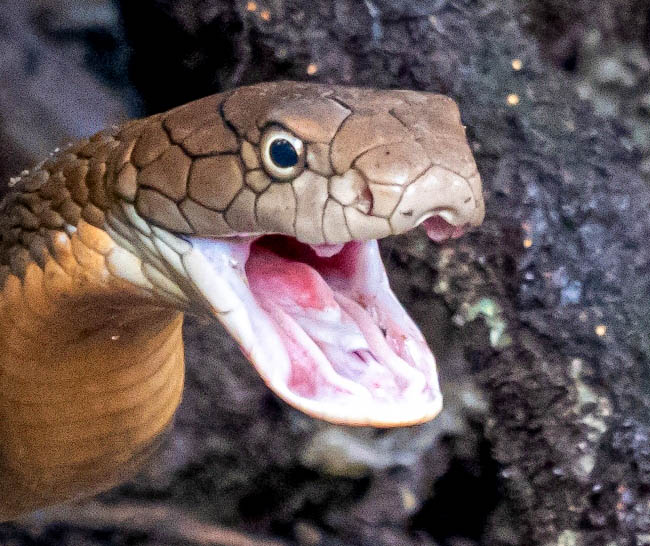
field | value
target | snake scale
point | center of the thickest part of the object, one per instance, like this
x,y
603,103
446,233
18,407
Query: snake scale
x,y
259,206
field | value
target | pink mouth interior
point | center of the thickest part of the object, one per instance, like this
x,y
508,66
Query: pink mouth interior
x,y
324,330
328,324
438,229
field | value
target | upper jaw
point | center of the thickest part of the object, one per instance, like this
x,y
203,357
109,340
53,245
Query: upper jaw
x,y
349,355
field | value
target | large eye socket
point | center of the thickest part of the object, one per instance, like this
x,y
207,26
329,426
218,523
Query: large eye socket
x,y
283,154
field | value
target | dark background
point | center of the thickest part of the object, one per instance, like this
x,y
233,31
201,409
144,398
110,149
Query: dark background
x,y
540,319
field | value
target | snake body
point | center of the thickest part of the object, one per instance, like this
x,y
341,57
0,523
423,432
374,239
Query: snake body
x,y
103,248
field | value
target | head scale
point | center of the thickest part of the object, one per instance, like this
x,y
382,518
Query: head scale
x,y
318,162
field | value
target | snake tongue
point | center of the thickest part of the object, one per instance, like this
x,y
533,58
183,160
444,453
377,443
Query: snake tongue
x,y
322,327
438,229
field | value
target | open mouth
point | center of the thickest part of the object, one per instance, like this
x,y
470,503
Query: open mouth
x,y
322,326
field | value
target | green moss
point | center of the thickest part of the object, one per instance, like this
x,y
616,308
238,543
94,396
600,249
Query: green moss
x,y
492,314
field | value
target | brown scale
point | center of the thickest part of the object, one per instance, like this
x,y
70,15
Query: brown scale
x,y
196,169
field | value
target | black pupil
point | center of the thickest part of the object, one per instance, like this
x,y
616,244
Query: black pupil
x,y
283,153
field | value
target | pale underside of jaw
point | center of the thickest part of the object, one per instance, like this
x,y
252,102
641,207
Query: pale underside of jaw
x,y
322,326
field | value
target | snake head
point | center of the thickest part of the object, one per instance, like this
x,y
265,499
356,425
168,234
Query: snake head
x,y
270,200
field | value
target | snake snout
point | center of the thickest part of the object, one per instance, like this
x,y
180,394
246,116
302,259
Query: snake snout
x,y
438,191
393,188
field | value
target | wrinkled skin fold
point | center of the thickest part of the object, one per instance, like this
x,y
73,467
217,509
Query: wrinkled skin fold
x,y
260,206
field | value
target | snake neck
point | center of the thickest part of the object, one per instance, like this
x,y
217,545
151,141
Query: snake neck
x,y
91,353
91,373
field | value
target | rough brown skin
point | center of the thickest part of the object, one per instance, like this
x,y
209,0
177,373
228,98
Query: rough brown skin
x,y
93,287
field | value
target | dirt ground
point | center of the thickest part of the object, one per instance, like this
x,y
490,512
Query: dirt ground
x,y
539,319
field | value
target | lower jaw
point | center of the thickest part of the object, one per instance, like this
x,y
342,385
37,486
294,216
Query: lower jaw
x,y
266,282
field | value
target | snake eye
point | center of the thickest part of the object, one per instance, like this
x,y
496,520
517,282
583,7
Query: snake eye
x,y
282,153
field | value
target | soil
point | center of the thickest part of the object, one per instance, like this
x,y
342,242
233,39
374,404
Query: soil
x,y
540,318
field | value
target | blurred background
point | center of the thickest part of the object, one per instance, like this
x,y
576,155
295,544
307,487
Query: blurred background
x,y
544,436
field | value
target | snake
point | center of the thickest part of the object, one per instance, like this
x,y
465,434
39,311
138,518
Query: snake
x,y
260,207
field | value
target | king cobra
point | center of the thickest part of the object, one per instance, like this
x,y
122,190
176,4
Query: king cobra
x,y
260,207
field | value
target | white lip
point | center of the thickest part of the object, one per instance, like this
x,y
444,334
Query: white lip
x,y
216,268
448,216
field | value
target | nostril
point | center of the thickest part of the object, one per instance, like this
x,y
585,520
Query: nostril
x,y
365,201
349,189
